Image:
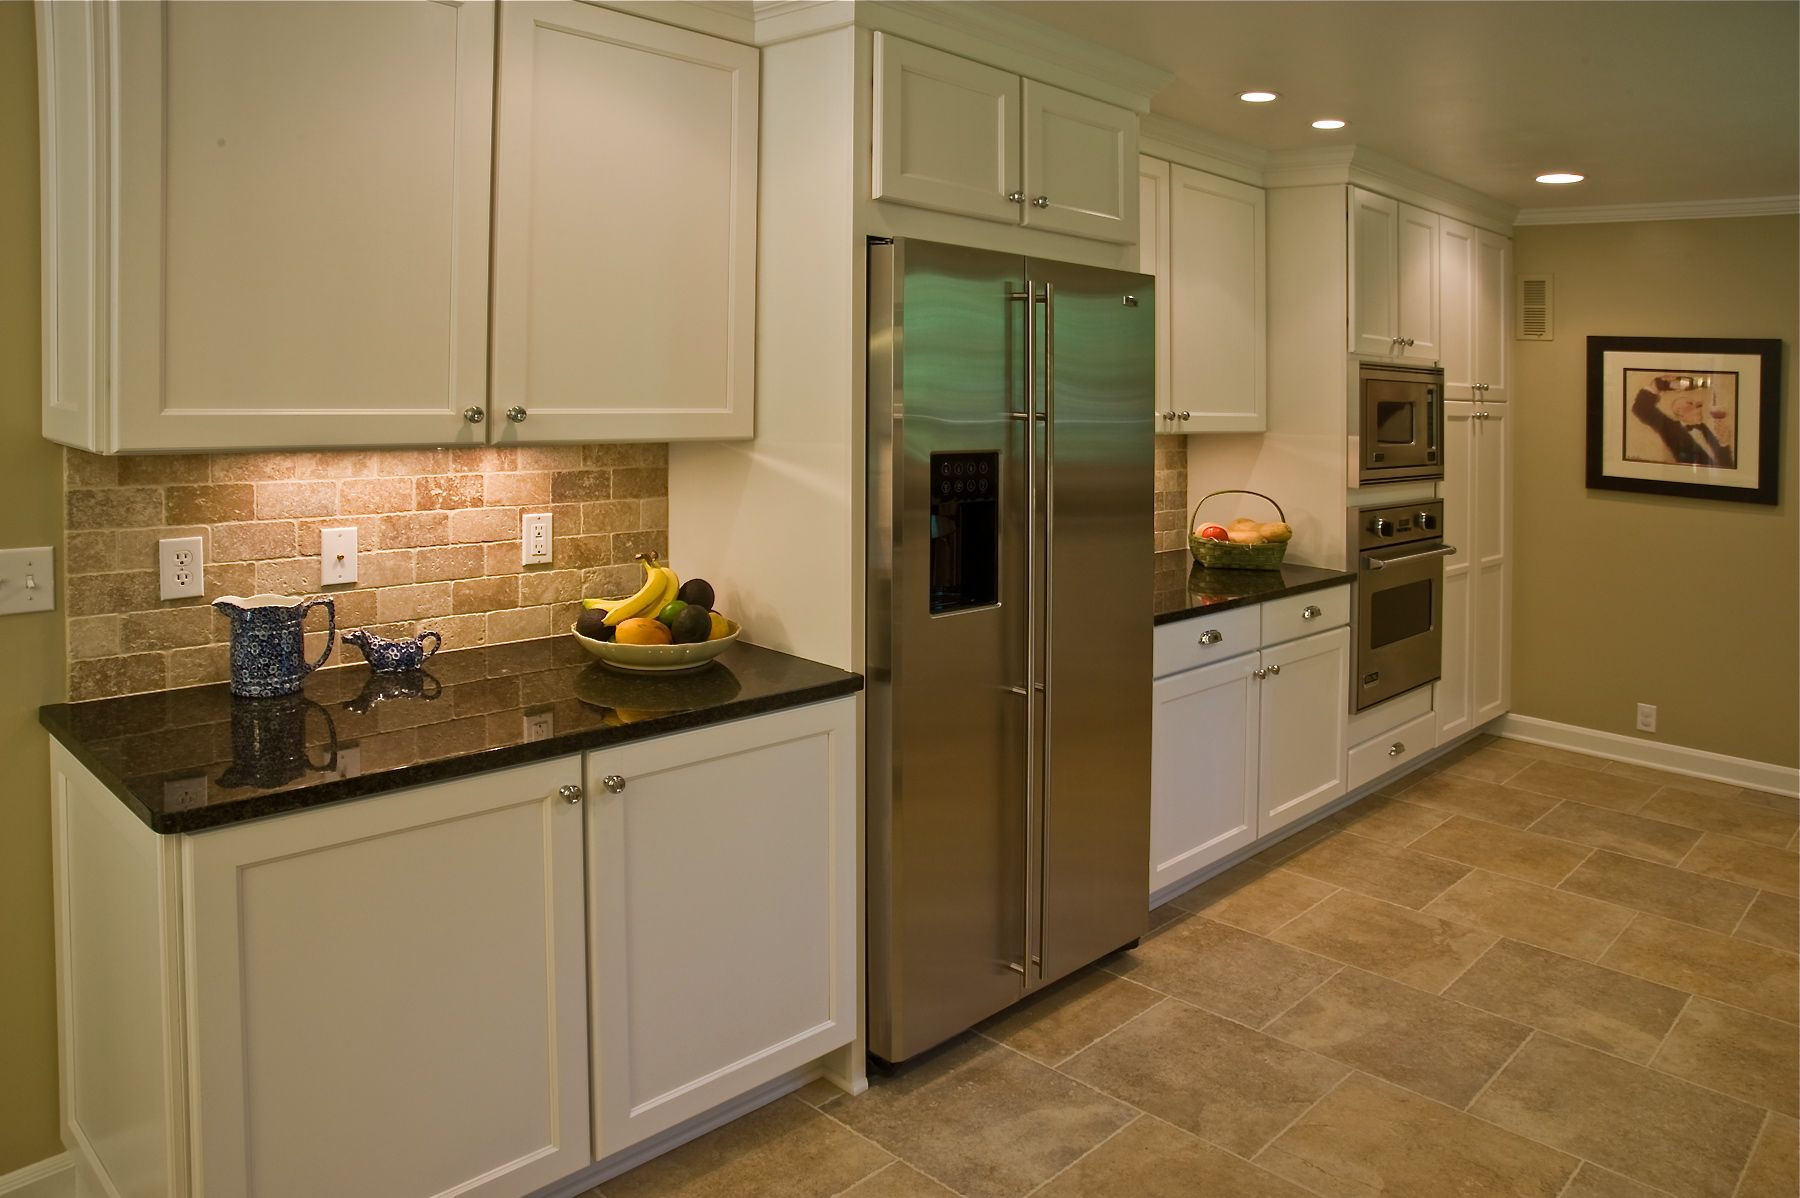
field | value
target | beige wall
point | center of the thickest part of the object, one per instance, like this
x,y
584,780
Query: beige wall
x,y
1620,598
31,647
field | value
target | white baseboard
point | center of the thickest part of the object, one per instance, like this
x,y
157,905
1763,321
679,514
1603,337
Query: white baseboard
x,y
1678,759
51,1178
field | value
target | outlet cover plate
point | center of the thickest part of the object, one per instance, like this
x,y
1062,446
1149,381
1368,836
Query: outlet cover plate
x,y
181,561
337,556
534,539
27,580
1646,717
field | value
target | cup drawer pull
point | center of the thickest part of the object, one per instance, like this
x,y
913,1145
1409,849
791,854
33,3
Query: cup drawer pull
x,y
1397,748
1311,612
1211,636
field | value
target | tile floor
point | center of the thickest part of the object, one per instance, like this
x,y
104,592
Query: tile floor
x,y
1520,972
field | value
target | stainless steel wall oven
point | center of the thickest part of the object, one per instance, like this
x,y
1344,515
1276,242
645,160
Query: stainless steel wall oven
x,y
1399,628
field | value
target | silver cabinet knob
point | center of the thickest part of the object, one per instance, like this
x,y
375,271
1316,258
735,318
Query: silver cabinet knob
x,y
613,783
1165,415
516,414
1211,636
1311,612
1041,202
1259,673
1182,415
1017,197
1274,670
1407,342
474,415
571,792
1397,748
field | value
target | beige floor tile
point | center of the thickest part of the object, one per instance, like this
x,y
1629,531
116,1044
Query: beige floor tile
x,y
1392,820
1773,920
982,1119
1442,1049
817,1092
1572,999
1774,1168
1661,890
1619,831
1061,1020
1583,785
1490,763
1720,967
1151,1159
1768,799
1651,1127
1161,918
898,1180
1721,813
1482,800
1704,787
1503,850
1259,901
1591,1181
1735,1052
1552,919
1395,942
1282,849
1224,969
1369,1139
1217,1079
1379,870
783,1150
1735,860
1586,761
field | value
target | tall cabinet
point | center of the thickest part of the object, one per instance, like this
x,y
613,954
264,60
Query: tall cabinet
x,y
1476,685
1476,268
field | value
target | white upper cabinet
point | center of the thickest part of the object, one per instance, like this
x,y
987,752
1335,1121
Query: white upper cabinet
x,y
1153,260
1393,278
1492,324
957,136
1476,270
624,303
1216,293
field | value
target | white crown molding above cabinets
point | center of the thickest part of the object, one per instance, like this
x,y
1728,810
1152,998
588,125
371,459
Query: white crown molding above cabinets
x,y
1390,177
1596,214
1163,137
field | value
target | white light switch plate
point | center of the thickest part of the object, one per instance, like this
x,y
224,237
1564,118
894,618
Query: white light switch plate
x,y
182,564
337,556
27,580
534,539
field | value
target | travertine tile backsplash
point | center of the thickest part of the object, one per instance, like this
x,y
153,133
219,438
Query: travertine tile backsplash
x,y
1171,493
437,546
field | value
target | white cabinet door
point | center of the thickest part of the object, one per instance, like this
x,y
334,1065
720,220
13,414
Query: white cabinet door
x,y
1417,306
1490,313
722,912
1203,768
300,203
1374,273
1491,516
1451,694
1304,707
946,132
1218,355
1153,260
1456,307
1080,164
387,997
624,229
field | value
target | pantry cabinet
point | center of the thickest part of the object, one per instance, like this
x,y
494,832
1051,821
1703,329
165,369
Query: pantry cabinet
x,y
1393,278
1476,269
271,225
957,136
1476,684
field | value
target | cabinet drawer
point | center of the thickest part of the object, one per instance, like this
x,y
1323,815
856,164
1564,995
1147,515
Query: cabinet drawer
x,y
1285,619
1383,754
1189,643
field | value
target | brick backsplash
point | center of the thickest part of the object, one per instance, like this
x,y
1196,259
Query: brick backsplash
x,y
437,546
1171,493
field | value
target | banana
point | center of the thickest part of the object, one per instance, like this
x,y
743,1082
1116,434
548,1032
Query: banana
x,y
670,585
640,603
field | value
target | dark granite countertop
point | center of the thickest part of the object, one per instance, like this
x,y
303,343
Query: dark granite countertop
x,y
1184,588
185,760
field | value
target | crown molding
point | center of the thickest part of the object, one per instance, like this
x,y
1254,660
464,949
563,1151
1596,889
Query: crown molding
x,y
1595,214
1164,137
1389,176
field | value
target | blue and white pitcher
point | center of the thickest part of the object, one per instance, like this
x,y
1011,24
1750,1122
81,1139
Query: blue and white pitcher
x,y
268,642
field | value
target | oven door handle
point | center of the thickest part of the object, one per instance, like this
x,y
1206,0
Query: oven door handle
x,y
1382,563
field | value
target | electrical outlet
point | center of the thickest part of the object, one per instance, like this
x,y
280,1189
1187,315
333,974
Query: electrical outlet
x,y
337,556
534,539
179,794
183,565
540,724
349,761
1646,717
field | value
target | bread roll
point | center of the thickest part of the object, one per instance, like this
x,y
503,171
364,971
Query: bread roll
x,y
1277,531
1244,522
1246,536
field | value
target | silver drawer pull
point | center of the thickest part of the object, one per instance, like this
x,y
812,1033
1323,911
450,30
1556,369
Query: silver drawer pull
x,y
1211,636
1311,612
613,783
1397,748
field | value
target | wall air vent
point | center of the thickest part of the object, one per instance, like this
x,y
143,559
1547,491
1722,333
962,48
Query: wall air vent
x,y
1537,308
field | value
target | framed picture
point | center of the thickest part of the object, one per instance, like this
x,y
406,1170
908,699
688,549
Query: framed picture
x,y
1694,416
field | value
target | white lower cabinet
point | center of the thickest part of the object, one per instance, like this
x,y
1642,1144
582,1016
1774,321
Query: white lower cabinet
x,y
1203,767
722,913
1304,703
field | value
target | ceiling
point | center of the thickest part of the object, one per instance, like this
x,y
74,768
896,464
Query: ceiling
x,y
1674,100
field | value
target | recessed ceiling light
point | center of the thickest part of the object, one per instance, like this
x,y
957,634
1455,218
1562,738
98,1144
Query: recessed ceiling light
x,y
1330,123
1258,97
1560,177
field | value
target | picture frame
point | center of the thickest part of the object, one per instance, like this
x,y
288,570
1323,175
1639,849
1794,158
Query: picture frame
x,y
1698,417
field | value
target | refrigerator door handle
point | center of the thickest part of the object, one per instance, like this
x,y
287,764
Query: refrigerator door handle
x,y
1029,415
1049,590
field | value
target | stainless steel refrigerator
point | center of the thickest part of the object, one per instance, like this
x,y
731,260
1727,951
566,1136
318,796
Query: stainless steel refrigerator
x,y
1011,492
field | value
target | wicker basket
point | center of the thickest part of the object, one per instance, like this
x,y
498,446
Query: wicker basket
x,y
1228,555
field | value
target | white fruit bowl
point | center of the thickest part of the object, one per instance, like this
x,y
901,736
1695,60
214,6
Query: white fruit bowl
x,y
658,659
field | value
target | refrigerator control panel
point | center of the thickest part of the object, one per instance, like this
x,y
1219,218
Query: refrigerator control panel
x,y
965,531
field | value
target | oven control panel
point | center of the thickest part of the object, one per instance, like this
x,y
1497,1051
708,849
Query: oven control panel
x,y
1400,524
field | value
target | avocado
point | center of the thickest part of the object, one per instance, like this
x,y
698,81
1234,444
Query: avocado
x,y
692,625
592,624
696,592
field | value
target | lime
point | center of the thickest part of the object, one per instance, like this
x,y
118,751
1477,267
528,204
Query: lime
x,y
670,610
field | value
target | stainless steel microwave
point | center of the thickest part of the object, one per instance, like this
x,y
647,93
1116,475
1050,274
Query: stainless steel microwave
x,y
1400,423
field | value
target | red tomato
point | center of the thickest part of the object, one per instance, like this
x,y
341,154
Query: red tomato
x,y
1214,532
